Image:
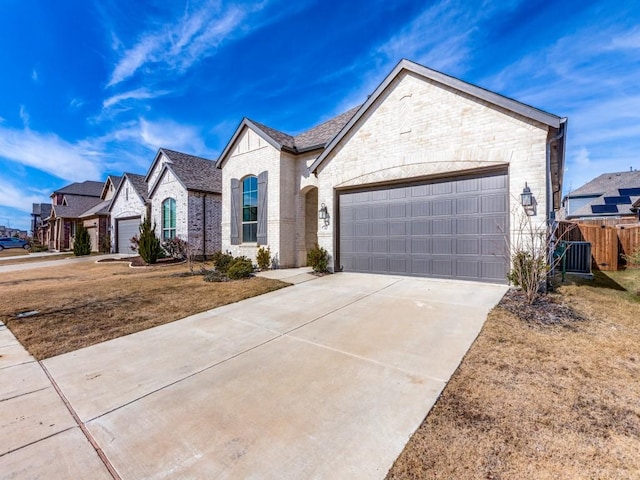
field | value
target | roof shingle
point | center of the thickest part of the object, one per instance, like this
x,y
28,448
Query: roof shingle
x,y
196,173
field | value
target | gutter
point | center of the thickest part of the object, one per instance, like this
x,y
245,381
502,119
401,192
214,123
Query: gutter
x,y
204,226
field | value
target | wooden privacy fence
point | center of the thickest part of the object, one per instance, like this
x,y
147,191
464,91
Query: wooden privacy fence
x,y
608,243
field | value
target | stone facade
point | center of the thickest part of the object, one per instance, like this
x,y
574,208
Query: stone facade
x,y
418,129
126,204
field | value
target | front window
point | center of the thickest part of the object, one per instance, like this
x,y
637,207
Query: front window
x,y
168,219
249,209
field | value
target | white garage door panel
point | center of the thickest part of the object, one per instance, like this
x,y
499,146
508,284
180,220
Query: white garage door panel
x,y
126,230
451,228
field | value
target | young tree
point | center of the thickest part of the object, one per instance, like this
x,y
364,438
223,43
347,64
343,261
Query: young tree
x,y
82,241
149,246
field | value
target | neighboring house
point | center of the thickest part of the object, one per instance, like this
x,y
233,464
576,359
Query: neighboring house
x,y
128,208
635,208
40,212
68,205
609,197
184,192
12,232
96,219
422,179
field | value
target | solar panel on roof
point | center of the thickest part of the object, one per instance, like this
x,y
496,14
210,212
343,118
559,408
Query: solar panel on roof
x,y
633,192
621,200
604,209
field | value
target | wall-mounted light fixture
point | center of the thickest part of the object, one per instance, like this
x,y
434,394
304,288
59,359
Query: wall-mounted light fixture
x,y
323,214
528,201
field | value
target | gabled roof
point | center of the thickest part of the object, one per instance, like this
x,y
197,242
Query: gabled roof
x,y
139,185
607,182
312,139
611,194
195,173
113,180
448,81
88,188
76,206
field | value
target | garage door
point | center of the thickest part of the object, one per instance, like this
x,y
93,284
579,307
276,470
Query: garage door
x,y
126,230
450,228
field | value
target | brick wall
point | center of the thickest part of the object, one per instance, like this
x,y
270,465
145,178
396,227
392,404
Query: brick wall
x,y
205,218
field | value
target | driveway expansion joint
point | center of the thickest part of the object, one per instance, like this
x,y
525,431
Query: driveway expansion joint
x,y
103,458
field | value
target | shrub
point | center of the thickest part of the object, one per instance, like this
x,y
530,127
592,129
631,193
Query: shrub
x,y
175,247
82,241
263,258
214,276
105,244
149,247
633,258
241,267
318,259
222,261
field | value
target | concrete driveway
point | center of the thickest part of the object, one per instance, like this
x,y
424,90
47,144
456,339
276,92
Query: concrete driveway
x,y
325,379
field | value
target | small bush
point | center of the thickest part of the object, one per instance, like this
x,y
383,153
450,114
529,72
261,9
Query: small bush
x,y
263,258
149,247
318,259
214,276
175,247
241,267
82,242
222,261
633,258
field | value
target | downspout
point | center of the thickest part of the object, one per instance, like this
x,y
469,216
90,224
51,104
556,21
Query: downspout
x,y
549,193
549,190
204,226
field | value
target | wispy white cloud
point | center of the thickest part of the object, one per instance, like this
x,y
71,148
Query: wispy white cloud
x,y
34,75
24,116
49,153
137,94
176,47
590,76
443,37
17,196
76,103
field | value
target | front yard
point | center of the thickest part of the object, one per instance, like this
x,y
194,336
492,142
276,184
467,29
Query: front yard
x,y
87,303
536,400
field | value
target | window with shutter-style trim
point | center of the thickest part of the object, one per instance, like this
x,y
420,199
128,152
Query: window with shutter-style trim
x,y
235,211
262,208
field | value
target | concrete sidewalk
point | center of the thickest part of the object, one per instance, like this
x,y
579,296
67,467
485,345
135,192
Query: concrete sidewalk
x,y
325,379
38,434
17,267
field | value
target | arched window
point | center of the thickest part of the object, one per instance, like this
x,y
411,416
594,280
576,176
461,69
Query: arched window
x,y
249,209
168,219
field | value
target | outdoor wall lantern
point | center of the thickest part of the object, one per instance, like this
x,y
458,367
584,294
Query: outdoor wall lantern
x,y
323,214
528,201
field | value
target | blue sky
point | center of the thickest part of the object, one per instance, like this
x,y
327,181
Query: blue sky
x,y
90,88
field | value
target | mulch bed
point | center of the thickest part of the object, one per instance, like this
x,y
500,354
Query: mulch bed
x,y
546,310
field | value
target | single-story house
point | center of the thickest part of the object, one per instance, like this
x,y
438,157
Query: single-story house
x,y
184,192
424,178
608,197
128,207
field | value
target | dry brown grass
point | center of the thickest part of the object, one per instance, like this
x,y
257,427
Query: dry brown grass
x,y
84,304
26,258
536,401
